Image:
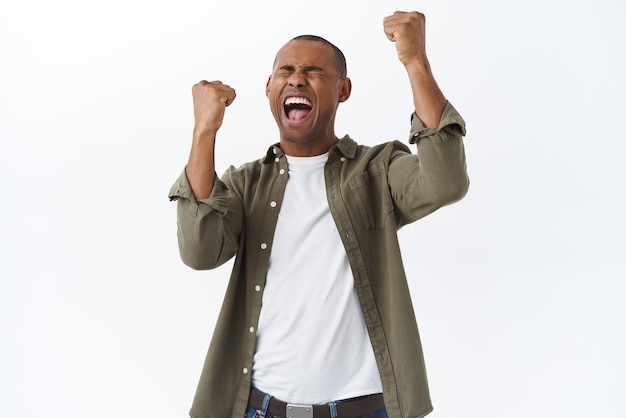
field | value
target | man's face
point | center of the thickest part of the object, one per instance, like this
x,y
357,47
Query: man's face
x,y
304,91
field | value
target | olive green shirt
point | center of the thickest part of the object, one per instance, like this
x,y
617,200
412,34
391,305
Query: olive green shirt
x,y
372,192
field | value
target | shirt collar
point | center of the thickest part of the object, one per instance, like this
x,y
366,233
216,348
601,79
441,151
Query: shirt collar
x,y
346,146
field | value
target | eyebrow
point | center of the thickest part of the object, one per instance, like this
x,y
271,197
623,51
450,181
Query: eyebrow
x,y
308,68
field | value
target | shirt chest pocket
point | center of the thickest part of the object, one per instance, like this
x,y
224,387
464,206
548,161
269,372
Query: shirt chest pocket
x,y
371,196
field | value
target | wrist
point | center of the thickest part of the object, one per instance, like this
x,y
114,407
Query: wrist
x,y
204,133
418,66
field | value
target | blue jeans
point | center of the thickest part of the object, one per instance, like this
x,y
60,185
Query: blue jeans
x,y
253,413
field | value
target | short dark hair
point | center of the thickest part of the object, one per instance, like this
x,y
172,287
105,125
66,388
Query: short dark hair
x,y
340,59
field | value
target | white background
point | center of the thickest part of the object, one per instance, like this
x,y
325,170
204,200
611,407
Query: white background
x,y
518,289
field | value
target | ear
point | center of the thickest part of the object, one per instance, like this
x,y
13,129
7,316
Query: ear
x,y
345,89
267,87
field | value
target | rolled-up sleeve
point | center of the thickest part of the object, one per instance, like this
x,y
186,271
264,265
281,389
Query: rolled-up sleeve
x,y
451,123
208,229
437,175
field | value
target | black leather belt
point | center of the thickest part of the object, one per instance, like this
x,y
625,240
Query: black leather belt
x,y
353,408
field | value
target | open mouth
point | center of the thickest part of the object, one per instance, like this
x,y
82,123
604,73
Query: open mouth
x,y
297,108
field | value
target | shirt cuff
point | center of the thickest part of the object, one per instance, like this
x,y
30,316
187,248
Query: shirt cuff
x,y
218,200
451,122
181,189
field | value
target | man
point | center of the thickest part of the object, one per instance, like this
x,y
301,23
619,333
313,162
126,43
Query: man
x,y
317,319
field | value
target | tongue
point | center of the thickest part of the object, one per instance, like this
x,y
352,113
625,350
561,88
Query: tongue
x,y
297,114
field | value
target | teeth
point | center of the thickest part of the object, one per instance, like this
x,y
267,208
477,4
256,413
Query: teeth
x,y
297,100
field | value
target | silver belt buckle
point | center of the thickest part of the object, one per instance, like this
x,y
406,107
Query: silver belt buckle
x,y
299,411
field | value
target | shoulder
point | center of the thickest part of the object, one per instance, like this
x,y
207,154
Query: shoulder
x,y
237,178
351,149
385,151
243,169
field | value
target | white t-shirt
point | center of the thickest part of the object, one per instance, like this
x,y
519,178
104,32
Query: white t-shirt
x,y
312,343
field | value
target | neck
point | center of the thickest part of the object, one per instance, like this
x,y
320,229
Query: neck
x,y
309,149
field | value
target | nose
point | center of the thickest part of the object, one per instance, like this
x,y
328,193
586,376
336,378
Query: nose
x,y
297,79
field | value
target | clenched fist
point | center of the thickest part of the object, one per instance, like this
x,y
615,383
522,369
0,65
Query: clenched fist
x,y
407,30
210,99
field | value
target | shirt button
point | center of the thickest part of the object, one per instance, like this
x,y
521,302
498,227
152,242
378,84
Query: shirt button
x,y
245,370
342,159
282,171
251,330
273,204
274,150
263,246
257,288
277,159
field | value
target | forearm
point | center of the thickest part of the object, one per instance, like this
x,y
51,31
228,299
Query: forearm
x,y
200,168
428,99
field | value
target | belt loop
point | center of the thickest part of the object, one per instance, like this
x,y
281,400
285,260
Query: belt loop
x,y
333,409
266,404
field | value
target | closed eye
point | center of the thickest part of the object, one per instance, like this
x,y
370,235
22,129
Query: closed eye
x,y
311,69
